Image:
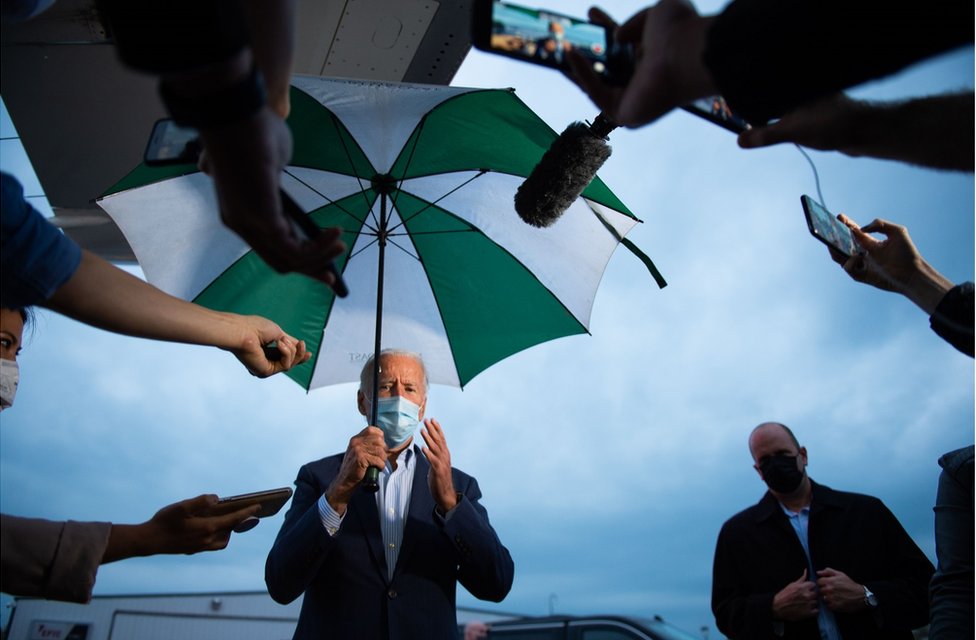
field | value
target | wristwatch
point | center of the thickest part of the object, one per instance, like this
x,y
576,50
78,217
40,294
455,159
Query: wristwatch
x,y
869,598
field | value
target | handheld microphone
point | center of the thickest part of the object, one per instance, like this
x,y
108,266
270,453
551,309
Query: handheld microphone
x,y
564,171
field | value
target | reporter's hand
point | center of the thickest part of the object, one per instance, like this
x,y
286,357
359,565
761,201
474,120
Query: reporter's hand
x,y
829,124
797,600
668,72
245,160
893,264
256,332
188,526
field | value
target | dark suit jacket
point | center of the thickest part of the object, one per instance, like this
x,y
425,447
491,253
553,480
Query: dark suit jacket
x,y
344,578
758,553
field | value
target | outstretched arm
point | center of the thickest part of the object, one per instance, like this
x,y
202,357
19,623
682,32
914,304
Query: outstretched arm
x,y
104,296
935,131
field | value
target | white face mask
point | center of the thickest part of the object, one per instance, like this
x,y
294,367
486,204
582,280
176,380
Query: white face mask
x,y
398,418
9,377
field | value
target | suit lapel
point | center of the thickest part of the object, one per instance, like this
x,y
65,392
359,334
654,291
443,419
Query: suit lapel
x,y
421,505
363,504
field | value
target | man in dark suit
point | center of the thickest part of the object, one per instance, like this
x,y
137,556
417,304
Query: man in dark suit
x,y
813,563
386,565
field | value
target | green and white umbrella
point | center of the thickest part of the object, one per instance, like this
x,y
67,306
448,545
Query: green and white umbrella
x,y
422,180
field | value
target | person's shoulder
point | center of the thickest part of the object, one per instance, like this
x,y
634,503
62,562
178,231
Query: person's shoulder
x,y
751,514
839,498
324,464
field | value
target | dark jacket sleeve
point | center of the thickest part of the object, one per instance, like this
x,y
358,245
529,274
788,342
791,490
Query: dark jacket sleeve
x,y
485,567
770,56
302,543
953,318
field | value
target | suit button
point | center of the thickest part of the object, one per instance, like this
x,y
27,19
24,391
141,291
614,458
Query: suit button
x,y
391,593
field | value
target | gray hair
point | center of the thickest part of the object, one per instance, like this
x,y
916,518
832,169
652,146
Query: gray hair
x,y
366,375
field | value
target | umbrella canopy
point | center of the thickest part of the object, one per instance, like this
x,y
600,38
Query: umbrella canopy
x,y
422,180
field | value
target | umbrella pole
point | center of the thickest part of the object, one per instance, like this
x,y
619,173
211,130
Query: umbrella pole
x,y
370,481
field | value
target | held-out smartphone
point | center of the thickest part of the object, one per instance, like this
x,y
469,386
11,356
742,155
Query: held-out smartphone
x,y
543,37
171,144
271,501
827,228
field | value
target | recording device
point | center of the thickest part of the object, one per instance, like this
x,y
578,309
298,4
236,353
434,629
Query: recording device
x,y
271,502
827,228
564,171
170,143
544,37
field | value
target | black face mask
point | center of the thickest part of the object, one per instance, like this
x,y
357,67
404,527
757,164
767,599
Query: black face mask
x,y
781,473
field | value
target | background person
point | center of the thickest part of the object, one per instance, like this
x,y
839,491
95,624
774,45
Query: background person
x,y
386,565
811,562
60,560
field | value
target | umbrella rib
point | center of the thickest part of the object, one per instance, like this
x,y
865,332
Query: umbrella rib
x,y
352,165
428,205
331,201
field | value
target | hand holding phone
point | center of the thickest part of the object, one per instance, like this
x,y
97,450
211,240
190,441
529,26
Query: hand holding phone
x,y
546,38
824,226
271,502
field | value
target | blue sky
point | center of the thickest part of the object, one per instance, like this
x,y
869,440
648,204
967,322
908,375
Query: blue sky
x,y
608,462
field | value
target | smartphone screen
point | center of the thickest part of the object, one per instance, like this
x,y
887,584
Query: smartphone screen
x,y
827,228
544,37
715,109
170,143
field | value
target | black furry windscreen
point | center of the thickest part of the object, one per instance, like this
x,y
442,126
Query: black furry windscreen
x,y
564,171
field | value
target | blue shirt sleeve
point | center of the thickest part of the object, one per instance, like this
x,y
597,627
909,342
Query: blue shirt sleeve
x,y
36,258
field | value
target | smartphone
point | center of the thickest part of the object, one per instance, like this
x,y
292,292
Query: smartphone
x,y
544,37
271,501
827,228
169,144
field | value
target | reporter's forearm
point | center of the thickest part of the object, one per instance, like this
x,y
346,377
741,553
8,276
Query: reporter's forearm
x,y
272,30
104,296
926,287
127,541
935,131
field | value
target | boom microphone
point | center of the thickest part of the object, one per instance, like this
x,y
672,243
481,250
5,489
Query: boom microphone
x,y
564,171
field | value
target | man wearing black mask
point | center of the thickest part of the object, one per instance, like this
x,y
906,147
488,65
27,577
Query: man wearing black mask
x,y
811,562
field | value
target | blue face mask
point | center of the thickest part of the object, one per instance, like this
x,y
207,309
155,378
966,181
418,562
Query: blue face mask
x,y
398,418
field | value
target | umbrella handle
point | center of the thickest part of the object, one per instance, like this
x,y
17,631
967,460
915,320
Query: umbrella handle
x,y
370,482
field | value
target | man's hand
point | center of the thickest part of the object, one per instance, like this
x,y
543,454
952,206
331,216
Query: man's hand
x,y
245,159
257,332
828,124
439,479
188,526
366,449
669,38
839,592
797,600
893,264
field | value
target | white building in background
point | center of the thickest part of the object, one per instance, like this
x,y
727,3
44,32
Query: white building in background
x,y
250,615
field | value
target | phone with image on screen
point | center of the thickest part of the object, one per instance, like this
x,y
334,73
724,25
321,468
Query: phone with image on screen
x,y
825,226
544,37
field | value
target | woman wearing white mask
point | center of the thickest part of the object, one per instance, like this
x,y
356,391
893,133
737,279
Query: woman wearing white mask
x,y
59,560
